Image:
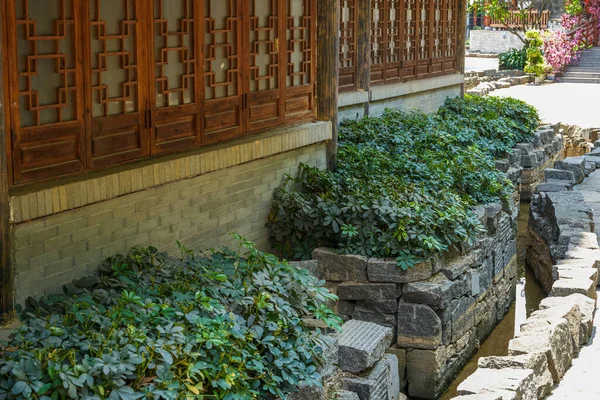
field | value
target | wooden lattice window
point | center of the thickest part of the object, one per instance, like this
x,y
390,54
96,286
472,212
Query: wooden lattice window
x,y
95,83
412,39
348,45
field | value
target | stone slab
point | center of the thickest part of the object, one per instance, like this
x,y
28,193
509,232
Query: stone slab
x,y
483,381
362,344
418,326
340,268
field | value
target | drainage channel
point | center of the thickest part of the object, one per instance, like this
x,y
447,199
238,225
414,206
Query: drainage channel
x,y
529,294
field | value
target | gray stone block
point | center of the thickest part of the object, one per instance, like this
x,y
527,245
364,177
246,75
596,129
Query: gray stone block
x,y
593,159
418,326
586,306
554,186
375,384
311,266
382,306
346,395
438,291
559,174
529,160
459,265
368,291
536,362
573,164
340,268
380,270
553,340
567,287
362,344
362,313
484,381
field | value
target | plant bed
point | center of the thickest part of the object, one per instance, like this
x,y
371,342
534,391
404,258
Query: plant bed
x,y
155,327
406,183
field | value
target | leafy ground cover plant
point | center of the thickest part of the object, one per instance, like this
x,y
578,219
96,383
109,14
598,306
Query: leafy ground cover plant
x,y
512,59
155,327
406,182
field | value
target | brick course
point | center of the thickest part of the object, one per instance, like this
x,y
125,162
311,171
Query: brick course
x,y
200,212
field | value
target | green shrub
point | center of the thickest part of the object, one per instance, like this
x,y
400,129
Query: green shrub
x,y
512,59
536,64
156,327
406,182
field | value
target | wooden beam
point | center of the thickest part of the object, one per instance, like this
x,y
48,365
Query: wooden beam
x,y
363,51
328,50
7,287
461,28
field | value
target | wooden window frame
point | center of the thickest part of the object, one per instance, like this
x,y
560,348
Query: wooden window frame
x,y
293,101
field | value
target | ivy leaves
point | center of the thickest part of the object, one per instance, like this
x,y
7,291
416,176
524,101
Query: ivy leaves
x,y
157,327
406,182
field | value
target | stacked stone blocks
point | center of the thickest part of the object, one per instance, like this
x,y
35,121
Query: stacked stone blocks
x,y
565,257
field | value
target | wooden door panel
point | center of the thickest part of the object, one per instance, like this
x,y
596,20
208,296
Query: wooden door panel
x,y
174,81
116,82
223,91
46,88
300,54
264,79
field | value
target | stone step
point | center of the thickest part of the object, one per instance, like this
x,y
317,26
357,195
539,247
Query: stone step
x,y
584,69
580,80
578,74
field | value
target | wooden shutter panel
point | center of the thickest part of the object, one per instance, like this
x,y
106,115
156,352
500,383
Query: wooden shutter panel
x,y
176,91
300,75
46,85
223,92
116,71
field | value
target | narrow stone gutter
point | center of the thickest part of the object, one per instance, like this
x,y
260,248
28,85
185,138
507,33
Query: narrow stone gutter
x,y
565,256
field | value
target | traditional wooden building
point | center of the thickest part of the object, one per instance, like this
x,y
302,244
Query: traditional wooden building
x,y
130,122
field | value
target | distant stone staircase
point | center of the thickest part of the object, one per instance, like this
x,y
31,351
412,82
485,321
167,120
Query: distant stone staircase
x,y
586,70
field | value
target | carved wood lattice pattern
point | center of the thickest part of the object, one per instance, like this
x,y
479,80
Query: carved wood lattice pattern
x,y
348,43
96,83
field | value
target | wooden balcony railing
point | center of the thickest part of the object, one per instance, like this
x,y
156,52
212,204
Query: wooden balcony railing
x,y
588,32
515,20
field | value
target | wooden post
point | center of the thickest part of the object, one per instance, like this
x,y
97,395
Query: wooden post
x,y
363,54
461,27
328,50
7,287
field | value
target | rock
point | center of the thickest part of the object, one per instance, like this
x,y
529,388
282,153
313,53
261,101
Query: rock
x,y
379,270
461,313
559,174
553,340
586,306
340,268
554,186
311,266
458,266
379,383
574,164
401,367
589,167
541,318
437,291
419,326
526,147
346,395
593,159
567,287
502,165
423,372
567,272
537,362
586,240
362,344
483,381
382,306
362,313
529,160
488,396
368,291
582,253
345,307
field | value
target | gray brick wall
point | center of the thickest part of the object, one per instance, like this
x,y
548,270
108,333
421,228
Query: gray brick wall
x,y
493,41
200,212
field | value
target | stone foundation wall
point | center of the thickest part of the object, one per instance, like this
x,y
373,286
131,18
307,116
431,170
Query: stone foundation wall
x,y
438,311
64,232
566,256
427,95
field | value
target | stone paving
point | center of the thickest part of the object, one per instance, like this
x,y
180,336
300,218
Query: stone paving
x,y
579,383
480,64
569,103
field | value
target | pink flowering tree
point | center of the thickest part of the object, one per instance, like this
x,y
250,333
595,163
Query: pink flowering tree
x,y
559,50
